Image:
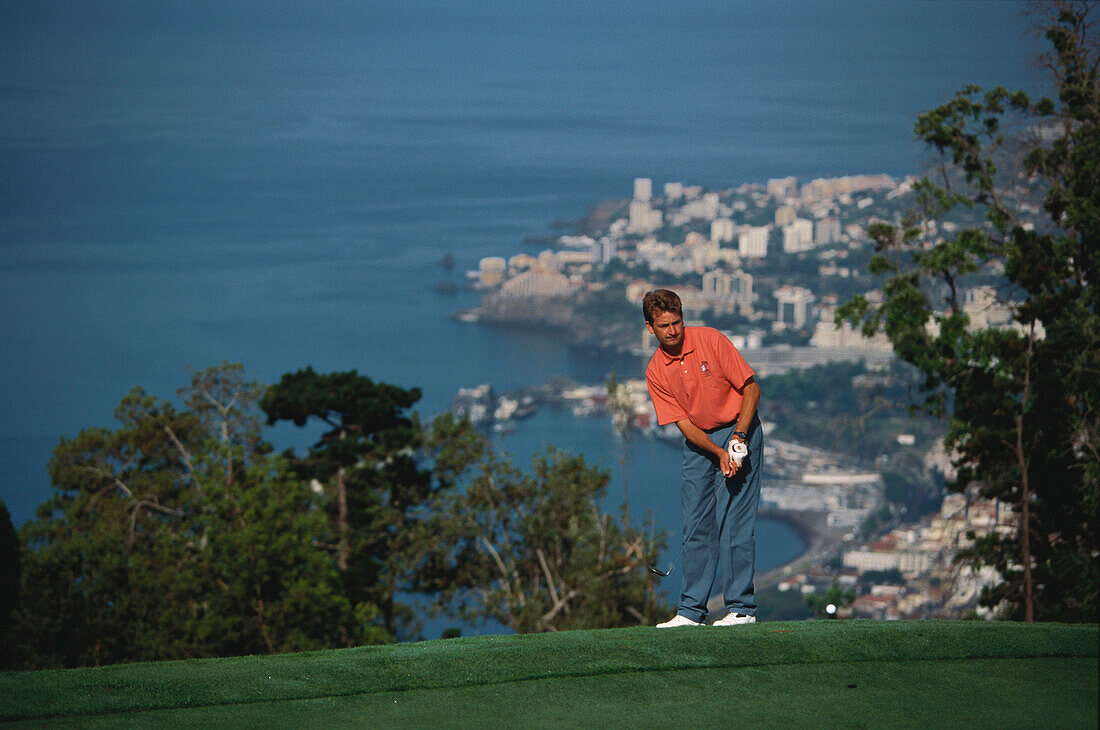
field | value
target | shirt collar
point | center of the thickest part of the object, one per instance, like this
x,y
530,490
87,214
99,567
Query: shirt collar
x,y
689,347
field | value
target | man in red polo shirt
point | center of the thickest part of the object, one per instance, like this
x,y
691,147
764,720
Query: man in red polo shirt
x,y
699,381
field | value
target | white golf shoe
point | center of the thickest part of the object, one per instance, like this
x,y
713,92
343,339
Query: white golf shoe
x,y
734,619
678,620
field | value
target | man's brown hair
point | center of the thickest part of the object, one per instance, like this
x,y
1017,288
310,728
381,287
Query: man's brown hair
x,y
661,300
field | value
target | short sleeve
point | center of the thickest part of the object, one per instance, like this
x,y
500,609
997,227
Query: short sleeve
x,y
734,366
668,410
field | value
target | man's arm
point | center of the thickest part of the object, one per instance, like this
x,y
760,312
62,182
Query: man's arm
x,y
698,436
750,399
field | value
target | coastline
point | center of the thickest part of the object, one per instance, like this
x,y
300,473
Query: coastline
x,y
816,535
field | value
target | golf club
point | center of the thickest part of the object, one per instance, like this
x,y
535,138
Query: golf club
x,y
698,522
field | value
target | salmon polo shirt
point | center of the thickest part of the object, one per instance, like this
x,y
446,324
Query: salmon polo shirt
x,y
704,383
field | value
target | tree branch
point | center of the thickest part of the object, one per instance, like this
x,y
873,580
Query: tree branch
x,y
184,453
558,606
546,572
505,580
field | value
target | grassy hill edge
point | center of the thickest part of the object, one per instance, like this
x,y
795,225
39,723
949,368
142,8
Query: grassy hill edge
x,y
488,660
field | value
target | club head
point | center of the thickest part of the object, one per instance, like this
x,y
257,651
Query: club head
x,y
657,572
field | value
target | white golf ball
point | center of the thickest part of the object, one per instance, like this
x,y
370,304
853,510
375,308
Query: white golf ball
x,y
830,609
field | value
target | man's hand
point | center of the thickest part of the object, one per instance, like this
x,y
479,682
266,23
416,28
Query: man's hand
x,y
728,465
737,450
697,436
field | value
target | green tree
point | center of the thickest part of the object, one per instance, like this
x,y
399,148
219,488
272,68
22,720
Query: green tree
x,y
366,466
91,593
533,552
1021,402
177,534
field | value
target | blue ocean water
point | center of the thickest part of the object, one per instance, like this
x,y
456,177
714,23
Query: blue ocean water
x,y
274,183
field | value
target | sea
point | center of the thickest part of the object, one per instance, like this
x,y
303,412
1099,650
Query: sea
x,y
276,183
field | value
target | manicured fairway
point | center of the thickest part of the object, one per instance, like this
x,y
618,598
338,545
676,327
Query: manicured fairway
x,y
808,674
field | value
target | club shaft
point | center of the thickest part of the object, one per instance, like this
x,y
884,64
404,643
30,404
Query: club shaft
x,y
713,501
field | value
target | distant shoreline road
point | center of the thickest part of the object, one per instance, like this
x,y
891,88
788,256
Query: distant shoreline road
x,y
816,535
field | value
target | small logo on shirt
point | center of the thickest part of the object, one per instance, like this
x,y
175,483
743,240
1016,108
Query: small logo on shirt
x,y
705,368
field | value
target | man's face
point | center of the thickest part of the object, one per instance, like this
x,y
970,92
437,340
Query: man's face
x,y
668,328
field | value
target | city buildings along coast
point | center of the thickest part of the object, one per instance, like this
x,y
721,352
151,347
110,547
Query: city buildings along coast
x,y
767,264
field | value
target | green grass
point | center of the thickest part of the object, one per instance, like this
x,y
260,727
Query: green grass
x,y
786,674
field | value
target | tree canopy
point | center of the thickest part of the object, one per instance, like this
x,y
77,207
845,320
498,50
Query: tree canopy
x,y
365,466
1022,401
180,533
177,534
534,552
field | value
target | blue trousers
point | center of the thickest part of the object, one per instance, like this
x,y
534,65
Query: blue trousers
x,y
726,536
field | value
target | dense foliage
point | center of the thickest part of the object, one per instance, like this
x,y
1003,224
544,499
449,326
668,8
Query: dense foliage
x,y
365,468
534,552
177,534
1022,401
180,533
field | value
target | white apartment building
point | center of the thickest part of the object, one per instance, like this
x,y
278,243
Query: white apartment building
x,y
881,555
704,208
798,236
643,189
828,335
643,219
795,306
721,230
605,250
836,186
728,291
752,241
573,258
826,231
536,283
783,188
785,215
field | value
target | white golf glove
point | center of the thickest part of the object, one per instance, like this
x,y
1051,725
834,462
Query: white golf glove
x,y
738,450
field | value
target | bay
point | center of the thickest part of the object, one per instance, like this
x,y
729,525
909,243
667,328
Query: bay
x,y
275,183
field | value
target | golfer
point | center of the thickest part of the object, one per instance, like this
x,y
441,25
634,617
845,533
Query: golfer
x,y
699,381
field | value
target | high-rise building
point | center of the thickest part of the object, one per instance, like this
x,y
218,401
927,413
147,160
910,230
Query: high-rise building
x,y
826,230
795,306
728,291
643,189
643,219
752,241
721,230
783,188
785,215
674,190
606,250
716,285
798,236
